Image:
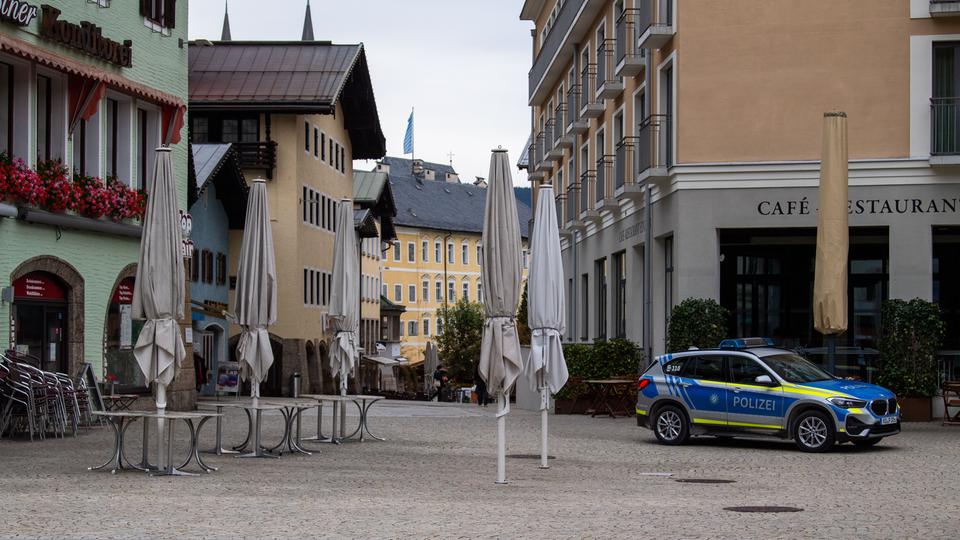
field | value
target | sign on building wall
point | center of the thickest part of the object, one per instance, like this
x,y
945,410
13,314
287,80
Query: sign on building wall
x,y
18,12
86,37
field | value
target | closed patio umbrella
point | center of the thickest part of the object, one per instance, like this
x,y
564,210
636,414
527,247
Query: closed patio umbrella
x,y
430,363
344,302
500,359
158,292
830,277
256,290
546,367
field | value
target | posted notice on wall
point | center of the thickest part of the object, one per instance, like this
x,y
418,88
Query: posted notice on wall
x,y
126,326
228,377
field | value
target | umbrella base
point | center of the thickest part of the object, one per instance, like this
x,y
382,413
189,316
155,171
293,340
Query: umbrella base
x,y
502,483
173,472
260,454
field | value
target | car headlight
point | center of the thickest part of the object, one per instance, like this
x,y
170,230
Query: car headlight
x,y
847,403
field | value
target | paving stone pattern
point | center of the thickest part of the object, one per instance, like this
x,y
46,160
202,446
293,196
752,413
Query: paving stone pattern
x,y
434,478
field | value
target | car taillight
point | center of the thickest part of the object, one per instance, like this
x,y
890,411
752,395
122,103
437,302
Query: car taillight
x,y
642,383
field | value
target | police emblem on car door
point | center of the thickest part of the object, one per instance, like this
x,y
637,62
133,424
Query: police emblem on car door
x,y
754,396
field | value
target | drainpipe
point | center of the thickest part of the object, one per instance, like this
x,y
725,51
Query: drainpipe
x,y
648,231
574,156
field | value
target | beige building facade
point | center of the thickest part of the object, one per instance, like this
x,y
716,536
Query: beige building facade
x,y
303,141
683,138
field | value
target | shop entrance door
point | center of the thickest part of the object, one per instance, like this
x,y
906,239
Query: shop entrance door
x,y
41,331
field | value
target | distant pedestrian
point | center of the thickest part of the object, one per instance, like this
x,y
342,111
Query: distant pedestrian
x,y
482,397
439,381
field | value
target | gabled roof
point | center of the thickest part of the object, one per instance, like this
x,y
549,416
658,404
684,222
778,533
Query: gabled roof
x,y
440,205
387,305
219,165
371,190
289,76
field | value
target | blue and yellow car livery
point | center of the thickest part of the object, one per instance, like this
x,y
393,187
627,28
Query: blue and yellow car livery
x,y
749,387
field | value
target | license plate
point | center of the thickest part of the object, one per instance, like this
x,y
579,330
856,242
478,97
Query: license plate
x,y
888,420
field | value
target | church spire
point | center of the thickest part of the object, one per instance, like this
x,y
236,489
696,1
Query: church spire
x,y
307,25
225,33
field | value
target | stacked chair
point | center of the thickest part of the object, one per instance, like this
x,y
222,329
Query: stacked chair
x,y
39,402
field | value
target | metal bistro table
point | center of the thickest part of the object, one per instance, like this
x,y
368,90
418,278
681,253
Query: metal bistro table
x,y
363,403
254,410
119,421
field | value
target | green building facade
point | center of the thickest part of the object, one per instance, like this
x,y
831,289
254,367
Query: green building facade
x,y
94,86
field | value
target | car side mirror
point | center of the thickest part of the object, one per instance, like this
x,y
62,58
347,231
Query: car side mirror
x,y
764,380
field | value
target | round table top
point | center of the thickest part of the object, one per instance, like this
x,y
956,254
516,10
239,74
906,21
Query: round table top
x,y
261,405
176,415
338,397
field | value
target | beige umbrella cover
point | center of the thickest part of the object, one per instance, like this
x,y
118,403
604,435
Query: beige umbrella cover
x,y
830,280
256,296
158,293
345,300
500,358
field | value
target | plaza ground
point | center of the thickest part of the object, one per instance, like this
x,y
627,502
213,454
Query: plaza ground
x,y
434,477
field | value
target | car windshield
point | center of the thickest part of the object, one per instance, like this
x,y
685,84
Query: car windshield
x,y
796,369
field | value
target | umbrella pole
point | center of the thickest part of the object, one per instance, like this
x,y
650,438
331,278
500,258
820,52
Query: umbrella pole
x,y
544,404
501,438
343,408
162,453
831,353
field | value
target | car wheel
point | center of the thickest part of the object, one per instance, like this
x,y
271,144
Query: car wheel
x,y
670,425
814,432
866,442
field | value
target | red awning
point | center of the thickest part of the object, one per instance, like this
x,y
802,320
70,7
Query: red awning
x,y
73,67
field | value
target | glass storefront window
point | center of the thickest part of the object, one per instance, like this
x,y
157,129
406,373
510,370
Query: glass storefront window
x,y
120,334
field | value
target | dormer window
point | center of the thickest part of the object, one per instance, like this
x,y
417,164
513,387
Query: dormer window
x,y
429,174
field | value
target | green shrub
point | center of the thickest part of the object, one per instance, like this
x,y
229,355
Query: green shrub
x,y
601,360
696,322
912,333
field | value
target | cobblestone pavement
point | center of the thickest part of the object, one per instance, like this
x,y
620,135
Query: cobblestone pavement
x,y
434,477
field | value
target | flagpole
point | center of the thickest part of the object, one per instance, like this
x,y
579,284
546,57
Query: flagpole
x,y
413,153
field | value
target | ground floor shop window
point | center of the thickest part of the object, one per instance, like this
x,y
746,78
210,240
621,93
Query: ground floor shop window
x,y
766,281
620,294
120,335
600,269
585,307
40,318
946,286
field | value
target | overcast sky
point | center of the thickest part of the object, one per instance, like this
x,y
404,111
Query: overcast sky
x,y
461,63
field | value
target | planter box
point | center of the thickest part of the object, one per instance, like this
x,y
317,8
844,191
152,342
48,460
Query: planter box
x,y
915,409
567,406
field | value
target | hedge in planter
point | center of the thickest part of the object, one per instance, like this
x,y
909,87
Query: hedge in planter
x,y
601,360
912,334
696,322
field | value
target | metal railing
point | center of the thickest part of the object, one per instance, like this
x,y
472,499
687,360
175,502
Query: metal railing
x,y
532,155
588,85
573,104
624,162
606,63
654,13
651,144
558,122
257,155
561,203
604,173
554,40
587,180
627,35
573,210
944,125
539,144
548,133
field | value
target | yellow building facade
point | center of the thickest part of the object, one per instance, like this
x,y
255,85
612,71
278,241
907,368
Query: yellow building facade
x,y
436,258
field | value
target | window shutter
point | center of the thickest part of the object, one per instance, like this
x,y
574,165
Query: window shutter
x,y
145,8
169,13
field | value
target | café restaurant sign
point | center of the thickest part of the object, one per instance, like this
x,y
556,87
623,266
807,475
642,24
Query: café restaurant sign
x,y
855,207
18,12
86,37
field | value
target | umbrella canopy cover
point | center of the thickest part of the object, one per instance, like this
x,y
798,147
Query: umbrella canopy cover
x,y
545,301
430,363
830,277
500,358
344,302
256,287
158,293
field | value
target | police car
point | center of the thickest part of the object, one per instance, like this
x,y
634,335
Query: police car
x,y
749,387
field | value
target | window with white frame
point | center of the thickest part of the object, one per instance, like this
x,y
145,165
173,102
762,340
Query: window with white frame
x,y
412,328
451,291
425,291
436,252
398,293
479,292
424,251
479,253
450,257
438,291
465,290
411,252
426,327
464,254
383,289
396,251
411,294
